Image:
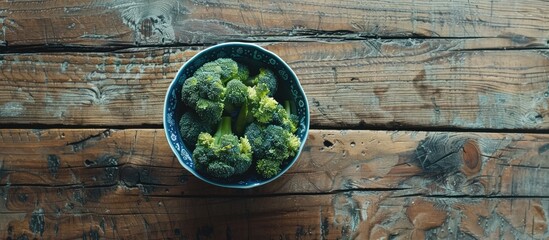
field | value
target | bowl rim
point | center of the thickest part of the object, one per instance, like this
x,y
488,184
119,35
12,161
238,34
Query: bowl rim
x,y
174,81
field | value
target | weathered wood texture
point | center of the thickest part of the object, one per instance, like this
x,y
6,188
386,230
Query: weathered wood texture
x,y
389,83
430,164
120,213
122,22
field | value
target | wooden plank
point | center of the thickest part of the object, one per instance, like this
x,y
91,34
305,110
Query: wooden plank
x,y
359,84
430,164
121,22
126,214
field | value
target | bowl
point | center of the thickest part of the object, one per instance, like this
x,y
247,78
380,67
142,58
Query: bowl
x,y
254,56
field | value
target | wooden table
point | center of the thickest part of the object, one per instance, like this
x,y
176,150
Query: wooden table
x,y
429,120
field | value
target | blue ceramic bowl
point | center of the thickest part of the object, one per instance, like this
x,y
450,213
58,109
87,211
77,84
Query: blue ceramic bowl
x,y
254,56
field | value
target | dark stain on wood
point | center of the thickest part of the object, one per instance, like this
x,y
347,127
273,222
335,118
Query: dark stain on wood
x,y
102,224
79,196
36,223
129,176
23,237
541,150
324,228
380,91
53,164
418,79
204,232
93,194
184,178
23,197
3,171
146,181
56,229
518,38
425,91
300,232
94,234
110,165
229,233
439,153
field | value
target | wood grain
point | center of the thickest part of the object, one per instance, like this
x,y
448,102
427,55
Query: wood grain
x,y
408,163
130,23
127,214
359,84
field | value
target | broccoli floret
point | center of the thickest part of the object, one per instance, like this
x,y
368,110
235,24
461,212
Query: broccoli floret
x,y
271,143
220,170
224,154
236,95
210,86
263,109
189,92
191,126
258,106
245,115
284,118
204,151
226,68
209,111
266,77
243,72
267,168
204,92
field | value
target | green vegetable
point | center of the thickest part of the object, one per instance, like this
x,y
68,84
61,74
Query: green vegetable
x,y
266,127
224,154
191,126
258,106
204,92
268,168
226,68
243,72
235,96
284,118
266,77
271,143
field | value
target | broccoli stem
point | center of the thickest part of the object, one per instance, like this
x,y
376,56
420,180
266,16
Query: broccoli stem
x,y
223,128
243,119
287,107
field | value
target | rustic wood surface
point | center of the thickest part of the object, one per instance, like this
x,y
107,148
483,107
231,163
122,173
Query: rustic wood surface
x,y
345,184
429,120
402,84
434,163
118,23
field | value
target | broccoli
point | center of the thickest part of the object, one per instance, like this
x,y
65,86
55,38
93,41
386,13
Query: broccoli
x,y
258,105
204,93
266,77
224,154
267,168
265,110
236,95
266,126
227,69
243,72
284,118
272,145
191,126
